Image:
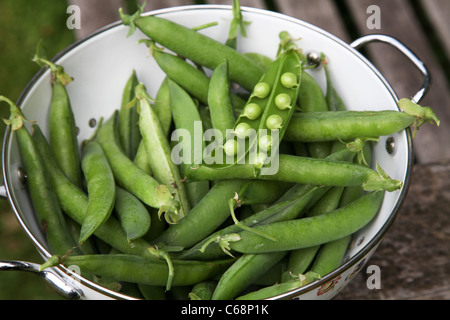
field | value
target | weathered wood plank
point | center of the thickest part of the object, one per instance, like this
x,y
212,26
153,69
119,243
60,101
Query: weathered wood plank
x,y
321,13
96,14
414,255
439,15
398,20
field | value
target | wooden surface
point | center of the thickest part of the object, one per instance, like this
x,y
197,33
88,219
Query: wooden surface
x,y
414,255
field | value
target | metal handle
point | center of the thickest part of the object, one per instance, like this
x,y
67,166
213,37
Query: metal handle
x,y
49,275
406,51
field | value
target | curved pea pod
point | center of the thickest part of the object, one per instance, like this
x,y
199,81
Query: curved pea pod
x,y
312,99
203,290
101,189
195,46
132,214
162,106
159,153
265,116
62,126
243,272
131,177
312,231
189,128
74,202
128,130
187,76
43,198
219,102
280,288
204,218
136,269
349,125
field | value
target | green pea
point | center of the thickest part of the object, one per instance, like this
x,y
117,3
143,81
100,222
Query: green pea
x,y
231,147
274,122
289,80
242,130
283,101
261,90
252,111
265,143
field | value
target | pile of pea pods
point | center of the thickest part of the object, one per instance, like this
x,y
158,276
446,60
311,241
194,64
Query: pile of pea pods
x,y
132,219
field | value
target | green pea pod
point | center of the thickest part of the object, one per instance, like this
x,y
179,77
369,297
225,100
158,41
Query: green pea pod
x,y
220,106
349,125
136,269
204,218
203,290
74,202
159,154
188,124
43,198
188,76
62,125
312,99
243,272
101,189
132,214
280,288
195,46
330,256
128,131
141,160
162,106
312,231
304,170
130,177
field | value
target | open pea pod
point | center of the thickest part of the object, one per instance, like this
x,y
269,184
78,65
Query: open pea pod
x,y
264,119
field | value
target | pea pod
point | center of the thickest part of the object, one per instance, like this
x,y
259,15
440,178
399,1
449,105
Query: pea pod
x,y
188,126
305,170
132,214
43,198
62,126
220,106
243,272
101,189
311,231
74,202
280,288
136,269
195,46
190,78
204,218
128,131
312,99
130,177
159,153
349,125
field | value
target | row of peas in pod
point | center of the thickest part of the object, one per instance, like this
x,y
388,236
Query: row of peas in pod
x,y
151,228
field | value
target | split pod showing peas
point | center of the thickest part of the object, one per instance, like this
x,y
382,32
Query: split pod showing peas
x,y
265,116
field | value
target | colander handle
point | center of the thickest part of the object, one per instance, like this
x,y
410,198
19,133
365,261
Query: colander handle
x,y
49,275
406,51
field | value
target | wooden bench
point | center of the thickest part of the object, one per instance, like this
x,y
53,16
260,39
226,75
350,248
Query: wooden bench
x,y
413,256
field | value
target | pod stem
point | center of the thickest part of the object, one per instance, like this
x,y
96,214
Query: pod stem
x,y
129,20
161,251
381,181
58,73
231,204
223,242
16,118
422,114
